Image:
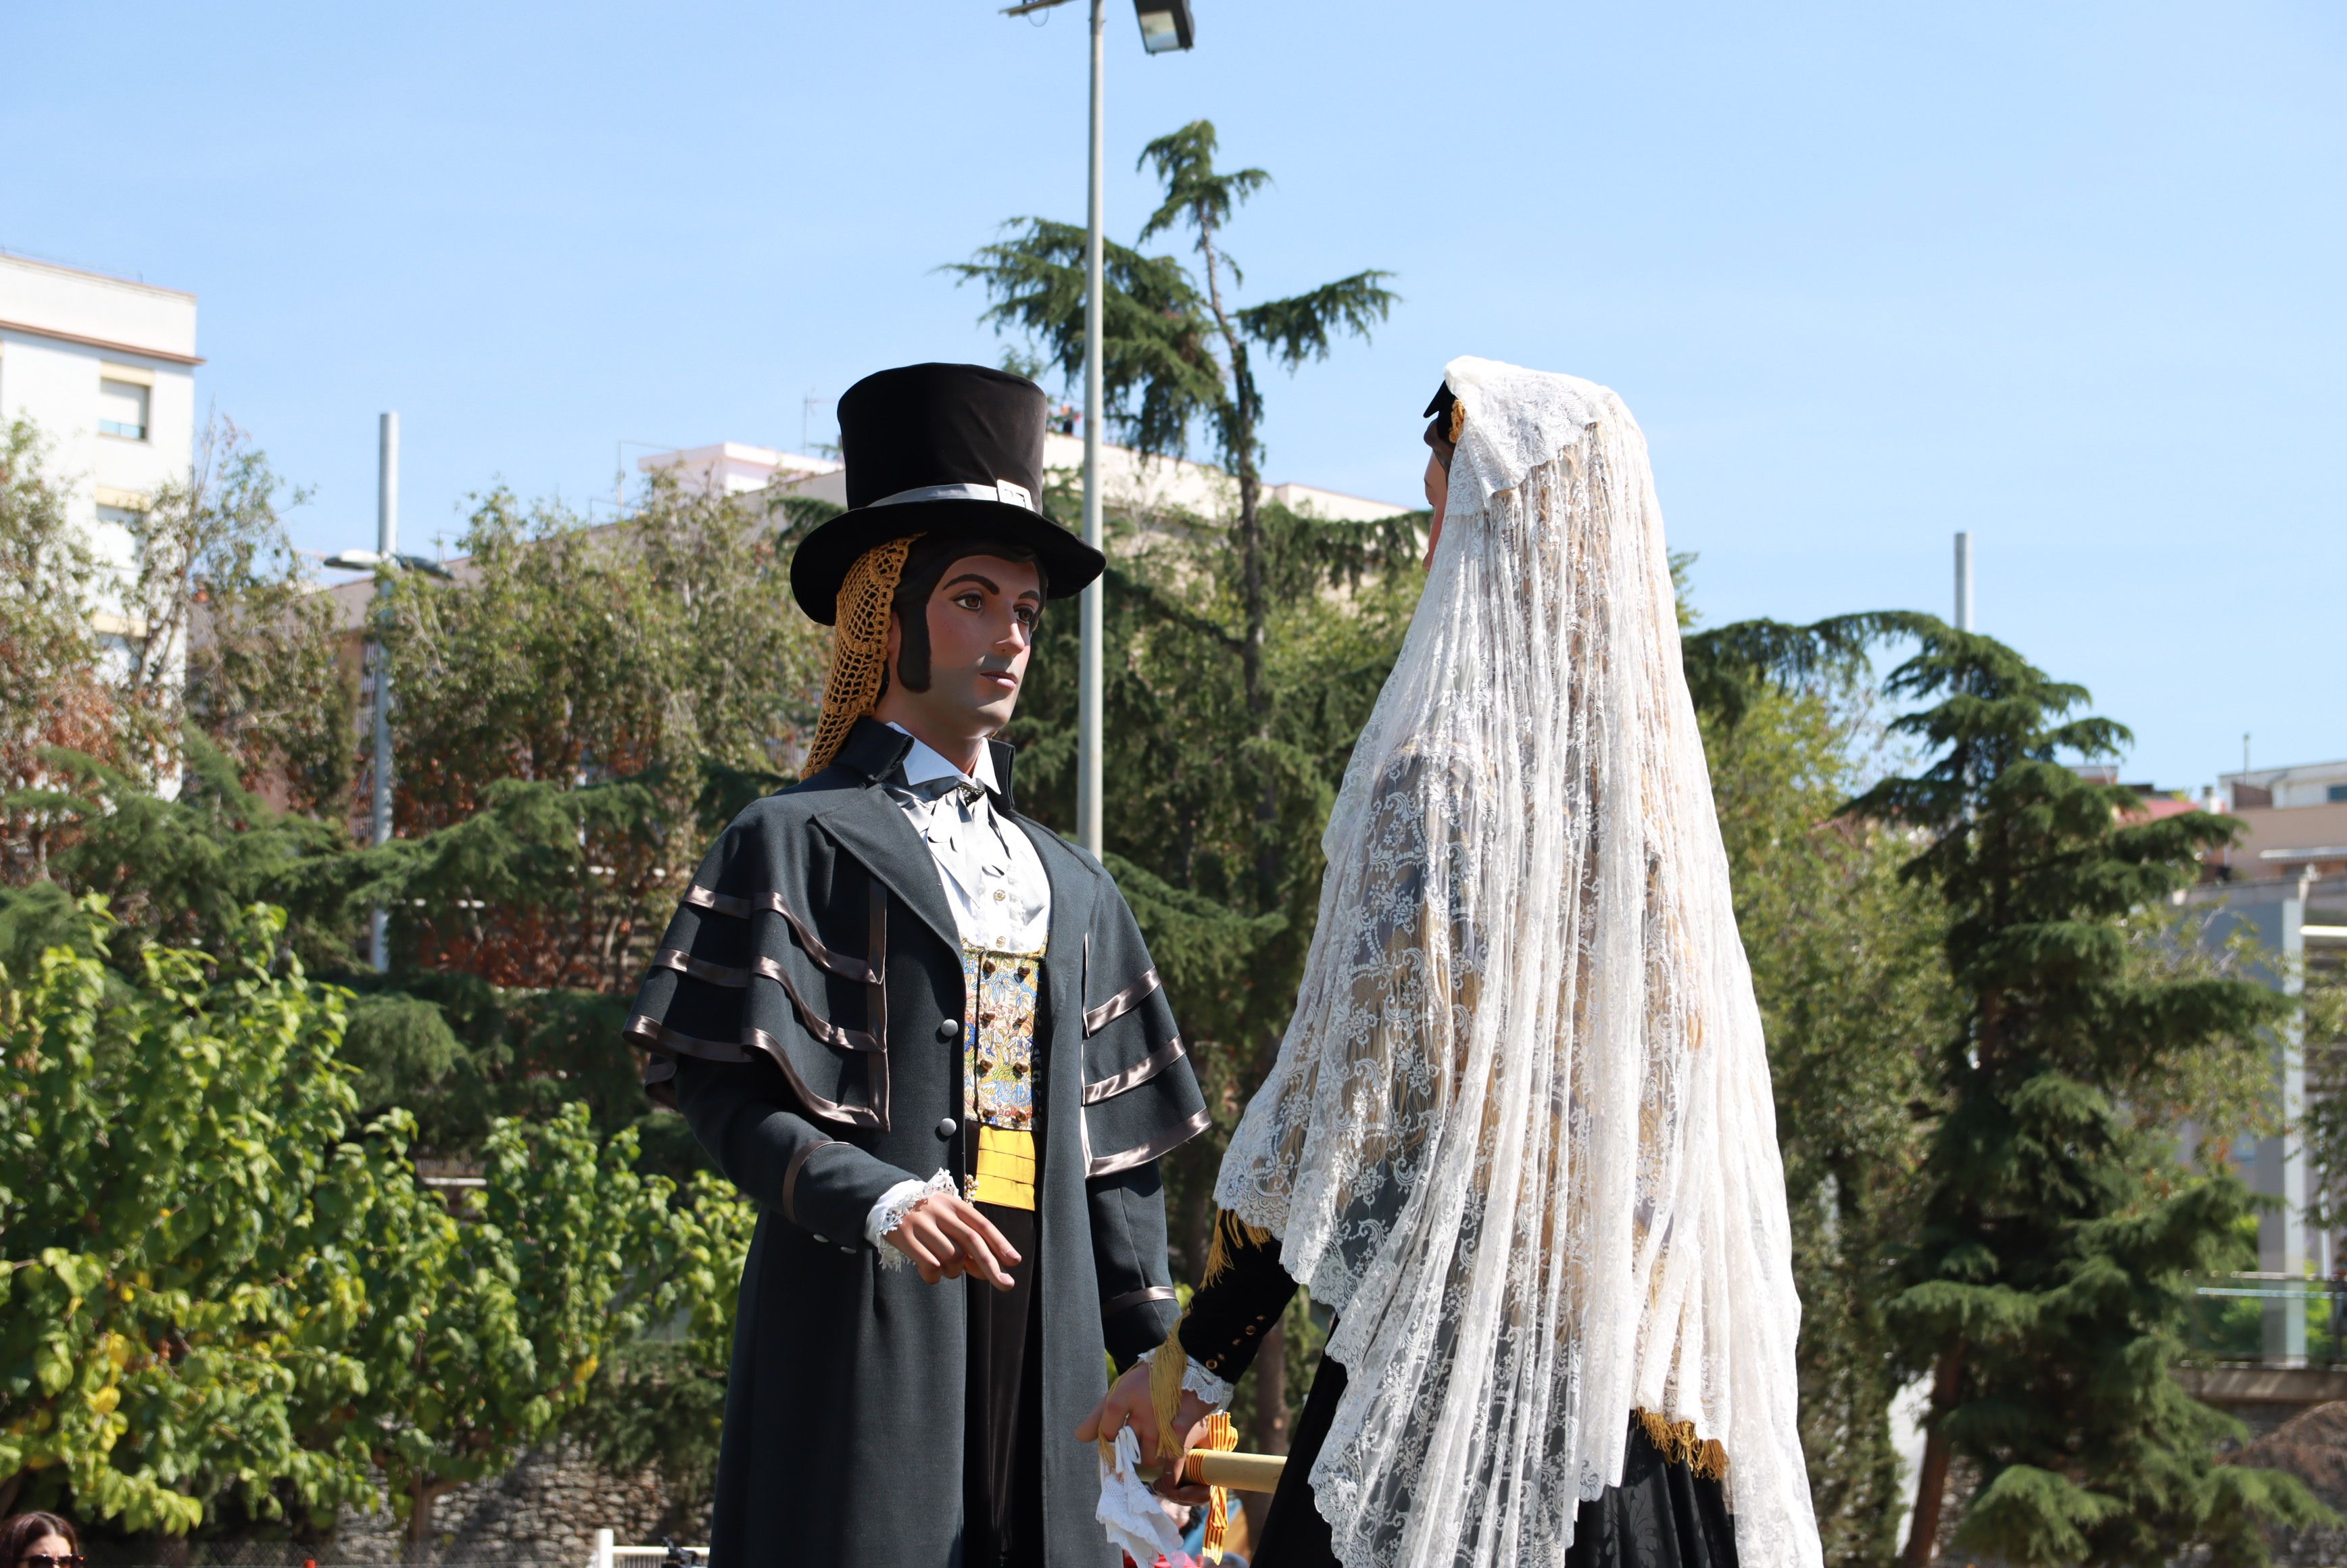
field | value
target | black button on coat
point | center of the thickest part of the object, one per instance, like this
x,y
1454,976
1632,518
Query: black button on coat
x,y
798,1013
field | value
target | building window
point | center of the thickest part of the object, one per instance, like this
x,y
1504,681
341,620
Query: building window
x,y
122,409
2336,792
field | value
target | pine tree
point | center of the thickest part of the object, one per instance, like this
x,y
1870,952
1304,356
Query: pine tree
x,y
1179,352
2050,1281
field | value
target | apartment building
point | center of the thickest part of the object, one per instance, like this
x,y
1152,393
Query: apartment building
x,y
2284,884
1135,486
106,368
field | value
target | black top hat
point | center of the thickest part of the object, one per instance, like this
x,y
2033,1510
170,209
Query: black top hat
x,y
952,449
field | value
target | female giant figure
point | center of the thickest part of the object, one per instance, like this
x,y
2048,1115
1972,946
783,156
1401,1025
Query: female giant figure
x,y
1520,1135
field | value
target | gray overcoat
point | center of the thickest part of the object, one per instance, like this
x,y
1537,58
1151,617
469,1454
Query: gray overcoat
x,y
804,1013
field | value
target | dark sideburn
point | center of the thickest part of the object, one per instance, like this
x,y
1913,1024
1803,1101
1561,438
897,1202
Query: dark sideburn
x,y
924,567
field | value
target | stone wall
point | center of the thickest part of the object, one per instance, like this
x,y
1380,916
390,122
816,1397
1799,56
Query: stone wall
x,y
542,1513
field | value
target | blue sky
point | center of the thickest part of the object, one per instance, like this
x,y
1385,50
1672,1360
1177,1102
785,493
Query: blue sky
x,y
2068,276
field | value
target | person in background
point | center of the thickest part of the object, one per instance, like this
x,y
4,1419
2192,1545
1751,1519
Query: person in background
x,y
39,1541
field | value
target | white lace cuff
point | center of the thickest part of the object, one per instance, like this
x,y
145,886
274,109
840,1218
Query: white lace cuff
x,y
894,1205
1198,1380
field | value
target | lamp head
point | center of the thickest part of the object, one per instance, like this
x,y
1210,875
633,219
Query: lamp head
x,y
1166,25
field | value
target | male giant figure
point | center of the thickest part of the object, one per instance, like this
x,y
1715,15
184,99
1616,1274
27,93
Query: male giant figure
x,y
916,1026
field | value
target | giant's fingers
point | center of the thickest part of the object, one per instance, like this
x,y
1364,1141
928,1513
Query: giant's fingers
x,y
939,1235
962,1226
915,1242
996,1241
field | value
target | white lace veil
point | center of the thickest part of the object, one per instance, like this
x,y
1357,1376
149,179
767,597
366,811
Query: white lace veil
x,y
1520,1135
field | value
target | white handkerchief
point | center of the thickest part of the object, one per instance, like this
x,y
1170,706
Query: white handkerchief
x,y
1130,1513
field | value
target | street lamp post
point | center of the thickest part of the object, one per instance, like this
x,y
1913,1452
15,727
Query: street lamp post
x,y
1166,25
386,545
384,560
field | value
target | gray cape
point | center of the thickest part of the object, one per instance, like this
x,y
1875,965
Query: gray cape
x,y
804,1013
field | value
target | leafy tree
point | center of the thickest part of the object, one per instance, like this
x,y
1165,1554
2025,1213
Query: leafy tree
x,y
660,1400
475,1357
176,1190
2049,1282
1844,963
2324,1031
53,687
238,642
186,869
1209,706
214,624
578,714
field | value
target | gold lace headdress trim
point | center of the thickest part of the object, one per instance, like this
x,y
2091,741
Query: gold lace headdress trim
x,y
859,648
1458,421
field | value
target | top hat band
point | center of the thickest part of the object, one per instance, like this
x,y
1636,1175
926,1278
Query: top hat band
x,y
1001,490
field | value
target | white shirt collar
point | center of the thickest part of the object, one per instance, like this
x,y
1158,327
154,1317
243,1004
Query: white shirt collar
x,y
925,763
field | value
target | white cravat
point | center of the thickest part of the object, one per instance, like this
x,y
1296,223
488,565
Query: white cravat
x,y
994,883
993,879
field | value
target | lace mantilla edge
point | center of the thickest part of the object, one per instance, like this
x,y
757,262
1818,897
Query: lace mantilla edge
x,y
942,1183
1680,1443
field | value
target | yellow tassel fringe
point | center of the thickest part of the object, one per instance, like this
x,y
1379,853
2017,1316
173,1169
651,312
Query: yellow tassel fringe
x,y
1165,1372
1680,1443
1222,1437
1230,1234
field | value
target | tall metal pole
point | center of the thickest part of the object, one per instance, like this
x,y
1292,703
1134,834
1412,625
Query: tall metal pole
x,y
386,546
1963,582
1088,701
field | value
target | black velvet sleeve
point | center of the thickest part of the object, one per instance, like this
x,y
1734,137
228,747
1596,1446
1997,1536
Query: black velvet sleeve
x,y
1229,1316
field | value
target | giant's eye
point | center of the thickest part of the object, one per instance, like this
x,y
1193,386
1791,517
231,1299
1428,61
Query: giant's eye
x,y
969,598
1028,616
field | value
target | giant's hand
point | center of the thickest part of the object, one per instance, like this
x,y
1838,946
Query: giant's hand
x,y
946,1237
1127,1403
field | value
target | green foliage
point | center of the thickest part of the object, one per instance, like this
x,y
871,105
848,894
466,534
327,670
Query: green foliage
x,y
2049,1280
574,712
184,870
496,1316
176,1197
53,687
1157,371
216,579
1243,653
1843,955
1160,371
214,1299
659,1400
2324,1036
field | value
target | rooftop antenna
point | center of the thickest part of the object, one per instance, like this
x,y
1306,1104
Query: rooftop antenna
x,y
806,418
1964,581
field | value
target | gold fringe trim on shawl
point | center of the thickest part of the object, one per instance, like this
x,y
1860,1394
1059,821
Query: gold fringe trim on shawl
x,y
1458,421
1679,1443
859,648
1230,1234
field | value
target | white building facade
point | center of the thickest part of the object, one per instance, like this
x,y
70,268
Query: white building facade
x,y
106,367
1132,484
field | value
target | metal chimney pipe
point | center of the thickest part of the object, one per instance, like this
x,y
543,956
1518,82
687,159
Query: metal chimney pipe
x,y
1964,581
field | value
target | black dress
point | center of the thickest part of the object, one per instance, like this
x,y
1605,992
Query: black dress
x,y
1662,1514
